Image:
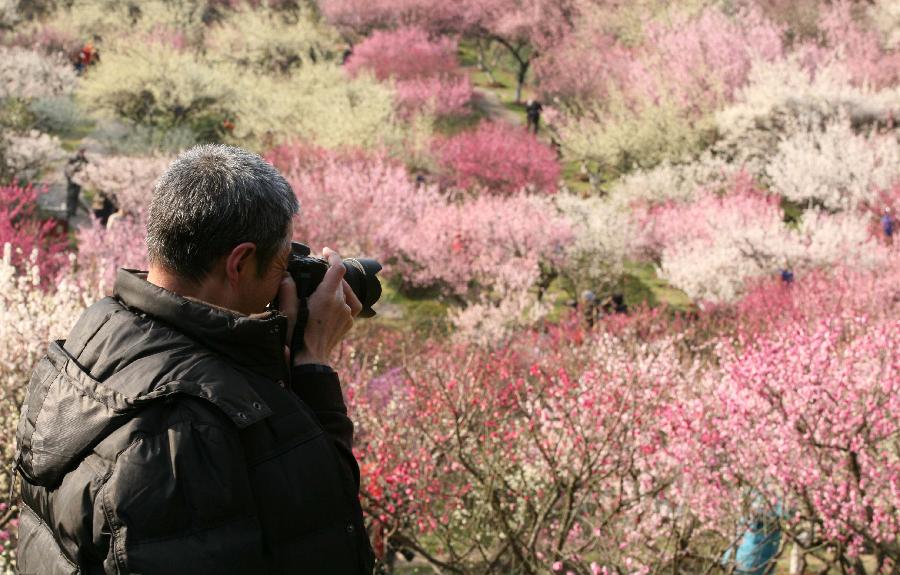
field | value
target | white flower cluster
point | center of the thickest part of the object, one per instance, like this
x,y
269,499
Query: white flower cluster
x,y
27,74
718,270
835,167
28,155
782,92
675,182
605,235
130,180
490,322
30,316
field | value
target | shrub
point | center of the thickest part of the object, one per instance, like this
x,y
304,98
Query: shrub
x,y
30,316
712,247
27,156
810,424
102,250
128,180
56,115
699,62
696,62
49,39
32,242
318,104
675,182
622,139
498,157
605,235
464,248
9,14
784,95
859,48
542,456
118,138
156,86
481,244
353,203
403,54
271,42
27,74
425,71
833,167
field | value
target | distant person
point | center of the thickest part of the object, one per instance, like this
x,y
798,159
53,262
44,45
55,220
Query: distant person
x,y
887,226
533,111
756,551
103,207
87,57
590,308
615,304
73,168
787,276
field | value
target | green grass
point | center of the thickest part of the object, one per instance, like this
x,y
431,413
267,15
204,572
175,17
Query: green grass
x,y
641,281
452,125
424,311
504,74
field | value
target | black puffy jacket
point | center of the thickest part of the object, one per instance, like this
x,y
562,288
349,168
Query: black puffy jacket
x,y
167,436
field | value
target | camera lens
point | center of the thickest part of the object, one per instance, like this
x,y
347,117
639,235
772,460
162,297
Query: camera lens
x,y
361,278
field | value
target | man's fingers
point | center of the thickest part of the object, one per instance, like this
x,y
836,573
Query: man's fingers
x,y
332,256
335,273
351,299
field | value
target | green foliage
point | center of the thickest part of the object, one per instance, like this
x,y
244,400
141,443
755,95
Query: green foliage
x,y
119,22
59,115
622,139
15,115
272,42
123,139
156,86
318,103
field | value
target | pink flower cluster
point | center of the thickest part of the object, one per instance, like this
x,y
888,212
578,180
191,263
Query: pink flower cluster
x,y
646,441
696,62
425,70
425,236
21,228
499,159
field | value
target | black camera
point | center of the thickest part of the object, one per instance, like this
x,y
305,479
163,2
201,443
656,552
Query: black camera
x,y
309,271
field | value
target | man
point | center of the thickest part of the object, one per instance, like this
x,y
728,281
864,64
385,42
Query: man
x,y
533,111
168,433
887,226
73,168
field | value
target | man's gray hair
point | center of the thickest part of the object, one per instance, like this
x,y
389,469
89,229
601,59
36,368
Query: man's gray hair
x,y
212,198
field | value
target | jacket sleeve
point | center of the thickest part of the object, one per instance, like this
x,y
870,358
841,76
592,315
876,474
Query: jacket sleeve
x,y
320,388
178,499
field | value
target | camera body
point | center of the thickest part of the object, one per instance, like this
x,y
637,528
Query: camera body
x,y
309,271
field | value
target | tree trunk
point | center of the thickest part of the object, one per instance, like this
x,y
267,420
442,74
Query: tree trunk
x,y
520,78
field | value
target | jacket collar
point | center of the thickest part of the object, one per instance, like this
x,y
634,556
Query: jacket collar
x,y
255,341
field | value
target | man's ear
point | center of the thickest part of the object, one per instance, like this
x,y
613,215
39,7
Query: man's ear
x,y
239,261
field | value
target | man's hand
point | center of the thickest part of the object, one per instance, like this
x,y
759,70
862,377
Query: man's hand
x,y
332,308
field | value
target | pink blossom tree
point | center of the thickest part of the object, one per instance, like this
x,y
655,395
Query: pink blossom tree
x,y
425,70
128,180
424,236
28,235
524,28
102,250
500,158
857,46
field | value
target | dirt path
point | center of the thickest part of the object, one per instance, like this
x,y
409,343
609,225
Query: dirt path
x,y
488,103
